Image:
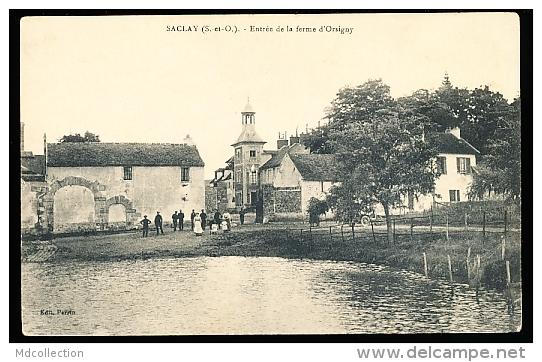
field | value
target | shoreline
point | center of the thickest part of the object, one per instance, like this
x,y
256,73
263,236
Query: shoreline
x,y
283,240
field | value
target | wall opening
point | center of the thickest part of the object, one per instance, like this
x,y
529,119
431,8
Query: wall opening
x,y
74,209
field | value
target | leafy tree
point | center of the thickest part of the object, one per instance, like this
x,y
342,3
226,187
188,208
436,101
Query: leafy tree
x,y
368,101
88,137
316,208
499,171
483,115
381,156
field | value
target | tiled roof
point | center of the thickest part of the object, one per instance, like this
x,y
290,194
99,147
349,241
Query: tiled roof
x,y
314,167
36,164
276,160
29,175
448,143
122,154
248,108
249,135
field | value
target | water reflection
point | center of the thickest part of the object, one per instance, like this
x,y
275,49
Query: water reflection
x,y
237,295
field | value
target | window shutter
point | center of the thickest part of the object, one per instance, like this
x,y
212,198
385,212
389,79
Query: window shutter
x,y
444,165
468,170
458,165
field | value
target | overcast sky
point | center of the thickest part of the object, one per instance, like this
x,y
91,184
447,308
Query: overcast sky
x,y
128,79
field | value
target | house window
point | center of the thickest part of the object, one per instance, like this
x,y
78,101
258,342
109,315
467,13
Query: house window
x,y
239,179
252,153
238,154
253,177
239,199
322,186
128,172
454,196
463,165
185,175
441,165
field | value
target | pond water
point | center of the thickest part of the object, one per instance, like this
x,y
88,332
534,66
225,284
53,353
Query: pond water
x,y
239,295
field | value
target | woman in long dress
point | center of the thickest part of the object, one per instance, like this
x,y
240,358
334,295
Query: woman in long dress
x,y
197,225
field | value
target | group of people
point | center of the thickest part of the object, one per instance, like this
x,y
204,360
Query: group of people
x,y
198,221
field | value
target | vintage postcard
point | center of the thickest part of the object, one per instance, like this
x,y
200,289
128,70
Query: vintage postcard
x,y
305,174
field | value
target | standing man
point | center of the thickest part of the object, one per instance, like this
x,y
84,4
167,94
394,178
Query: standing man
x,y
242,215
145,223
203,216
181,220
192,216
158,223
217,217
175,217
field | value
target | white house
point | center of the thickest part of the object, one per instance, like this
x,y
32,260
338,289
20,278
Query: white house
x,y
455,161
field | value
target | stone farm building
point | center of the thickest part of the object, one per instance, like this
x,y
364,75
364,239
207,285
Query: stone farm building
x,y
98,186
292,177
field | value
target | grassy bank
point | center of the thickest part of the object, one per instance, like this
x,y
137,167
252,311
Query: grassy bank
x,y
283,240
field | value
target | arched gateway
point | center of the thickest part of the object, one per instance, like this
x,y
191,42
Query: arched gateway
x,y
101,204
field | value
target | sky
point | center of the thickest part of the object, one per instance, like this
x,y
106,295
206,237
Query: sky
x,y
129,79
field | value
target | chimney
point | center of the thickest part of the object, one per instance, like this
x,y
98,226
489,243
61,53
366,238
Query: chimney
x,y
282,140
455,131
188,141
22,137
281,143
294,139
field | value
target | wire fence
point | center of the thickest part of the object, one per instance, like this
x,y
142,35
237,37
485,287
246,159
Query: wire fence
x,y
435,224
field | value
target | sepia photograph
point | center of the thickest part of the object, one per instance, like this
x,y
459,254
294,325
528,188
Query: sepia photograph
x,y
259,174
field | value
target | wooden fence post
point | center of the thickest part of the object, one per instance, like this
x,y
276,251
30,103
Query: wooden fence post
x,y
505,222
353,235
503,247
478,272
373,231
394,230
330,235
484,225
425,266
301,237
431,221
468,266
342,233
466,222
411,228
447,227
450,269
508,273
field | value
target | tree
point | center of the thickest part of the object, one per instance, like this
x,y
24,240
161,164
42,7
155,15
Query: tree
x,y
367,101
499,171
316,208
88,137
380,153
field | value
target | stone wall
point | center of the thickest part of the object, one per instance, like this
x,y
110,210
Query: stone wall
x,y
287,199
268,192
210,197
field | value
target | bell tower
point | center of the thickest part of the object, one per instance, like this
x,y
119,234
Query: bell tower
x,y
247,160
